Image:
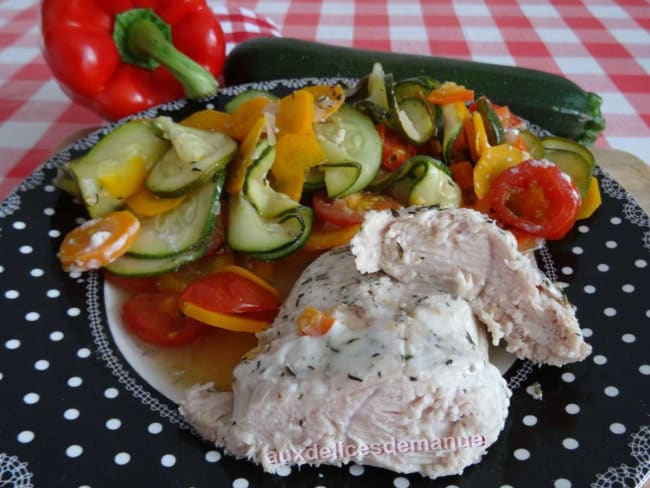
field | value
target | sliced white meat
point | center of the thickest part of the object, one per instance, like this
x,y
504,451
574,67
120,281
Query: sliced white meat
x,y
463,253
402,380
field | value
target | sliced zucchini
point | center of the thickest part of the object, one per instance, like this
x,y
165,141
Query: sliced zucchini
x,y
140,267
339,175
418,87
421,180
314,179
533,144
349,136
244,97
176,231
266,239
133,139
65,180
416,120
452,119
569,145
375,97
267,201
574,165
378,90
493,126
195,156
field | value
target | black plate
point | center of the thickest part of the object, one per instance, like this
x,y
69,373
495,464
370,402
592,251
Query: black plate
x,y
74,413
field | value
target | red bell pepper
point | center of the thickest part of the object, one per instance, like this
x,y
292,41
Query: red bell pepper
x,y
119,57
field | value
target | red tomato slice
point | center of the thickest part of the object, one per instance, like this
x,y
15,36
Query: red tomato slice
x,y
536,197
155,318
229,293
395,150
349,210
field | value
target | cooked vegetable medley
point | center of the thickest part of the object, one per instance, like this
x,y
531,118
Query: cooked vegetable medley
x,y
195,214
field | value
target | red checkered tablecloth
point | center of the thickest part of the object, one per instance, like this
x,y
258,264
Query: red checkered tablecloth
x,y
603,45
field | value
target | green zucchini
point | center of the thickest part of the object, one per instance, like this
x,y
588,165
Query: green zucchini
x,y
493,126
574,165
417,87
421,180
178,230
266,239
141,267
553,102
268,202
314,179
533,144
350,140
136,138
550,143
195,156
263,222
452,126
416,119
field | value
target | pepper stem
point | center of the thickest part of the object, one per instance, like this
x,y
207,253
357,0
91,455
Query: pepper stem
x,y
144,39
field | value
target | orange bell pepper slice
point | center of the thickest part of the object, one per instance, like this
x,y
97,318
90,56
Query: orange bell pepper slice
x,y
295,113
323,238
245,118
208,119
450,92
294,155
313,322
98,242
327,100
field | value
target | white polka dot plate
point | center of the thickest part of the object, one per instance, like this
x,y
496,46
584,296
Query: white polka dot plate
x,y
79,409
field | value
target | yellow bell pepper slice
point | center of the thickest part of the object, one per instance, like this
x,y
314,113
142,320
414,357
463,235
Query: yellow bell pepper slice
x,y
125,178
243,272
208,119
294,155
327,100
591,201
237,169
492,162
243,120
222,320
295,113
146,204
476,134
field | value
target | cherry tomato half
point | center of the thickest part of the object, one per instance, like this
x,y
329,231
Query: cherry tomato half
x,y
230,293
536,197
349,210
395,150
155,317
